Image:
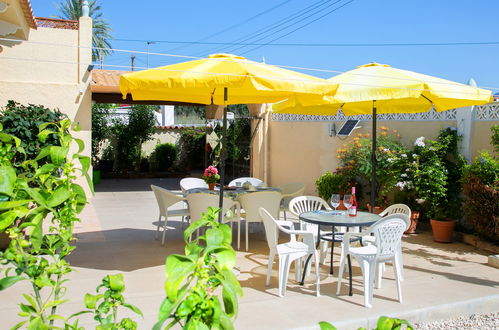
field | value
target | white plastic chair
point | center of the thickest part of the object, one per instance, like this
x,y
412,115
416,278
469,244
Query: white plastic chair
x,y
290,191
287,252
199,203
302,204
254,181
388,232
165,199
252,201
404,210
190,183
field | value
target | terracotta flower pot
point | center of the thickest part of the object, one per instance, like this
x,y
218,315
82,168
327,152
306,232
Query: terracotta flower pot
x,y
377,209
211,186
414,223
442,230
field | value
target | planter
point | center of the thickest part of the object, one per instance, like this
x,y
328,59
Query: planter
x,y
96,176
377,209
211,186
341,207
4,241
442,230
414,223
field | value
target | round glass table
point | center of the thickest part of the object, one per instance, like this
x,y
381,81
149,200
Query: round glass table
x,y
336,219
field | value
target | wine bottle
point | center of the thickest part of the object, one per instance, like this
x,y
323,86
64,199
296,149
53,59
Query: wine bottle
x,y
352,211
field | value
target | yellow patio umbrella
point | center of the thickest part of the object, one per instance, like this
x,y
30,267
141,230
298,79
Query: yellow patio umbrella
x,y
222,79
379,88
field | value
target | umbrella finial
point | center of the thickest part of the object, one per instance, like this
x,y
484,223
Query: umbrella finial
x,y
263,59
472,82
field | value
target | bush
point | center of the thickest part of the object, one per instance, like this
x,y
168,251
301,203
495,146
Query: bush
x,y
481,190
163,156
101,129
495,137
333,183
22,122
192,144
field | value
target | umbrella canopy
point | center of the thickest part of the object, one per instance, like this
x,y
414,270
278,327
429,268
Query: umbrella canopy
x,y
379,88
203,81
394,90
222,79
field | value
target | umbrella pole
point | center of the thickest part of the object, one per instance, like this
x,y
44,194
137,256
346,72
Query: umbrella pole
x,y
373,161
222,158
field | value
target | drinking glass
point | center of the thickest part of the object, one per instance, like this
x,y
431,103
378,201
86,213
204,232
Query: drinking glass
x,y
335,201
347,201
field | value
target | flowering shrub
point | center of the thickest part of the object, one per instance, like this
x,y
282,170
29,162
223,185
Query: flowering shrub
x,y
432,174
355,158
211,174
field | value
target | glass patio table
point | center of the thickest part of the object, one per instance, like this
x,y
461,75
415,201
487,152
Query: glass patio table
x,y
336,219
231,192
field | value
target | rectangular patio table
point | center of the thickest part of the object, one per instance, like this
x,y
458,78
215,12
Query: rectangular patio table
x,y
336,219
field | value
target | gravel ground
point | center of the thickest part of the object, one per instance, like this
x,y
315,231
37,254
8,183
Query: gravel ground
x,y
475,321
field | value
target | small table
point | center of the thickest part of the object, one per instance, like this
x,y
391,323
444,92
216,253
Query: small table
x,y
336,219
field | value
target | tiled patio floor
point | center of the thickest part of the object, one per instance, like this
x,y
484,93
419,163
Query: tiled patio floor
x,y
117,235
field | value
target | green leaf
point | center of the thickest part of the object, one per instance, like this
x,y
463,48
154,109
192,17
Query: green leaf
x,y
195,324
37,233
116,282
43,153
178,267
226,322
89,181
227,234
37,324
226,258
214,237
81,198
37,197
133,308
385,323
81,145
59,196
233,281
326,326
7,218
19,325
13,204
85,163
43,135
91,300
46,168
229,297
58,154
193,227
8,175
9,281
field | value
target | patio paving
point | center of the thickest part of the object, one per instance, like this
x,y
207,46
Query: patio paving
x,y
117,235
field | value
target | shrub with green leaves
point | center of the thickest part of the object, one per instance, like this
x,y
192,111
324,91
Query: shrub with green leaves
x,y
41,194
494,140
192,148
333,183
194,280
163,156
384,323
22,121
101,128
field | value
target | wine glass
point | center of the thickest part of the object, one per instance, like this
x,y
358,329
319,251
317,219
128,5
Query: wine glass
x,y
335,201
347,201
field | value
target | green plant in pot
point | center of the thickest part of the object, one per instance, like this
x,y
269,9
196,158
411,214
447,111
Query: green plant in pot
x,y
355,158
339,182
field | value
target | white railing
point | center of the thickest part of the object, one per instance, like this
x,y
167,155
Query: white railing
x,y
487,112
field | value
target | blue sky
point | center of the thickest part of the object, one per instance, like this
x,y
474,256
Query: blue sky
x,y
358,22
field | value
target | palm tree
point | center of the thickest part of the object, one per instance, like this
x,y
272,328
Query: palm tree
x,y
72,10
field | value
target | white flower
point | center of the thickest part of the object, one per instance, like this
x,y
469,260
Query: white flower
x,y
420,141
420,200
390,160
414,155
404,155
407,169
386,149
400,185
403,175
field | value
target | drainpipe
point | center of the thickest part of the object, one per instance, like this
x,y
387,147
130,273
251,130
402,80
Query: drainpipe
x,y
464,120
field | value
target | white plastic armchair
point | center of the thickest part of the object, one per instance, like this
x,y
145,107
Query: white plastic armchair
x,y
254,181
190,183
165,199
251,202
287,252
388,233
405,213
290,191
199,203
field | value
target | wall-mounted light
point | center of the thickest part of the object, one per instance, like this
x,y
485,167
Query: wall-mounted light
x,y
90,67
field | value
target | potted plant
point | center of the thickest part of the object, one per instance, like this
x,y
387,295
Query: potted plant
x,y
355,158
339,182
211,176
